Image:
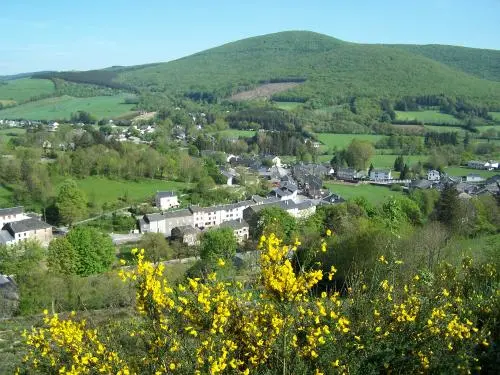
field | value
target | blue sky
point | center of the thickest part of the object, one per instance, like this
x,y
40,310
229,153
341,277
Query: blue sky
x,y
74,34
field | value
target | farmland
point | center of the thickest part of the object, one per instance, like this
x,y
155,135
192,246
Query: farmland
x,y
5,197
288,106
460,171
7,134
374,194
62,108
387,161
20,90
428,117
495,115
340,141
103,190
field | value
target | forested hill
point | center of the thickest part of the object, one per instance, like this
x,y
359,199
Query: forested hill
x,y
331,69
483,63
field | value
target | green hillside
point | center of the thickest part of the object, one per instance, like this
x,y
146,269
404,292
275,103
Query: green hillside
x,y
483,63
59,108
332,69
23,89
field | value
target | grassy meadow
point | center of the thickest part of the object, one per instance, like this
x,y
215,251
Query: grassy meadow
x,y
495,115
427,117
288,106
20,90
460,171
62,108
331,140
5,197
374,194
387,161
102,190
7,134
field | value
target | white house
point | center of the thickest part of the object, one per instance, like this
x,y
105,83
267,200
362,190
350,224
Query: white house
x,y
475,164
166,200
9,215
380,174
240,229
491,164
433,175
22,230
472,177
276,161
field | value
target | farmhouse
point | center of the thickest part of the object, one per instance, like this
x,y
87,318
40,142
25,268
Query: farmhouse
x,y
433,175
186,234
229,175
166,200
348,174
240,229
8,215
286,190
380,175
22,230
472,177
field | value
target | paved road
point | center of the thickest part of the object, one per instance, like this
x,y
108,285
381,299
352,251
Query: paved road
x,y
119,239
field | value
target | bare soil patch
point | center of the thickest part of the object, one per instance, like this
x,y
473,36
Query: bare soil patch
x,y
264,91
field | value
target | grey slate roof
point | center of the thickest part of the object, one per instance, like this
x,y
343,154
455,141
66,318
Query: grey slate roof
x,y
26,225
5,237
184,229
165,194
11,211
234,224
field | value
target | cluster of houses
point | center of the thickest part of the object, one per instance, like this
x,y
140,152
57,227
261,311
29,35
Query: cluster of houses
x,y
16,226
486,165
188,223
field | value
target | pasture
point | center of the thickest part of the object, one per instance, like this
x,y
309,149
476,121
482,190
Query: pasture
x,y
340,141
461,171
101,190
7,134
288,106
495,115
374,194
62,107
5,197
20,90
387,161
427,117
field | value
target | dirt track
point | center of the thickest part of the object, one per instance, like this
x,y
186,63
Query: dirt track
x,y
264,91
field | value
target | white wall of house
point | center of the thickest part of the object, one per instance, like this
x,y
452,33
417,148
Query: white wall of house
x,y
165,203
11,218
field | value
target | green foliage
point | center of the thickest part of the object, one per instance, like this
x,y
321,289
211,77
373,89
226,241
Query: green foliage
x,y
447,207
62,257
353,69
358,153
273,220
218,243
94,251
156,245
22,90
71,202
21,258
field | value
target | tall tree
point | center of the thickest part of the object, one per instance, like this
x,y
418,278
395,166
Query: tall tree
x,y
405,173
218,243
71,203
448,206
399,163
61,256
155,246
359,153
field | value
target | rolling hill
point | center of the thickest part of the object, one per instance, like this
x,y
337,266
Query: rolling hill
x,y
321,67
482,63
332,69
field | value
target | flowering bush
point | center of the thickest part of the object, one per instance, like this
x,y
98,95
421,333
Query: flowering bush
x,y
284,322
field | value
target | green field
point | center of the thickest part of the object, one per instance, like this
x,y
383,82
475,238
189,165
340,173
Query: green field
x,y
340,141
495,115
5,197
374,194
7,134
387,161
235,133
62,108
459,171
444,128
288,106
427,117
22,89
103,190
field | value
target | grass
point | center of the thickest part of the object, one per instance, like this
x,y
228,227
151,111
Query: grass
x,y
235,133
7,134
340,141
427,117
103,190
288,106
62,108
5,197
495,115
460,171
374,194
444,128
23,89
387,161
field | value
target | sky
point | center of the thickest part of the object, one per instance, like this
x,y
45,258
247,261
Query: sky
x,y
79,35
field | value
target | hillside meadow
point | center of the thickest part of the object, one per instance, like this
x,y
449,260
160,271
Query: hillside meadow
x,y
340,141
23,89
62,108
374,194
428,117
